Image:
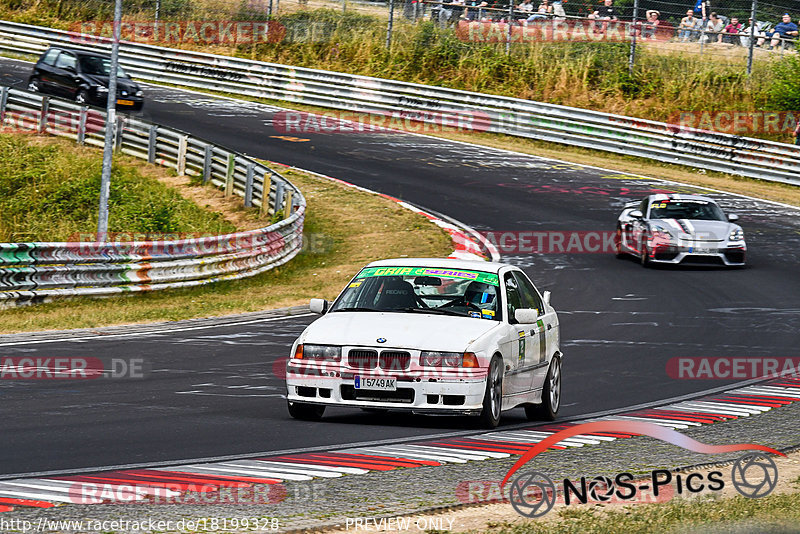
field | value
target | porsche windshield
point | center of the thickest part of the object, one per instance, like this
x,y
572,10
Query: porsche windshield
x,y
457,292
686,209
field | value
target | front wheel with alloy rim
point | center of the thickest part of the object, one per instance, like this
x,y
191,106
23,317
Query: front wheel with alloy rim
x,y
618,243
493,397
33,85
551,395
644,254
306,412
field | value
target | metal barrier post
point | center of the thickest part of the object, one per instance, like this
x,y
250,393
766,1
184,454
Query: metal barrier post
x,y
119,133
248,186
278,196
3,104
82,116
152,140
180,163
229,175
43,115
266,187
206,164
287,210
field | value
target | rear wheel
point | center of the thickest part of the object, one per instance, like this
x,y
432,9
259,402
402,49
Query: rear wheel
x,y
306,412
493,397
551,395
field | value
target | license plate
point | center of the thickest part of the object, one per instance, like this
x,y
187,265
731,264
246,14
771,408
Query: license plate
x,y
701,250
125,102
380,384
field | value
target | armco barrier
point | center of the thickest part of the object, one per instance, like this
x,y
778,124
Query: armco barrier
x,y
664,142
35,272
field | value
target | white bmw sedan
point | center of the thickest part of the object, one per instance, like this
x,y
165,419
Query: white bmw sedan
x,y
433,336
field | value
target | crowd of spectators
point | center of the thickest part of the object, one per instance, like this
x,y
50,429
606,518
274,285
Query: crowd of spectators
x,y
701,24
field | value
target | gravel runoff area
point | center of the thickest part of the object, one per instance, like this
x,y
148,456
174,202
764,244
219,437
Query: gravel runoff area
x,y
320,505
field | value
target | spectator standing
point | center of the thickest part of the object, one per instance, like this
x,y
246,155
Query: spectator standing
x,y
687,29
450,12
475,9
544,11
731,32
714,29
524,10
558,9
651,25
786,29
604,13
702,9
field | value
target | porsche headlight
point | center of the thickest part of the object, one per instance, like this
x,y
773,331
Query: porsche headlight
x,y
736,235
321,353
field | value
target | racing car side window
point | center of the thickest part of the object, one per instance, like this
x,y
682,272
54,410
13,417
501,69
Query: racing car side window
x,y
528,295
513,300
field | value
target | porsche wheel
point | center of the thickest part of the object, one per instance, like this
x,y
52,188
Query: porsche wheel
x,y
644,254
618,244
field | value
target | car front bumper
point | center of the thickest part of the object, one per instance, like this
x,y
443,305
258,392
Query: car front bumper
x,y
731,254
456,391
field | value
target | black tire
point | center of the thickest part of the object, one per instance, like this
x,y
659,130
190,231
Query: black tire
x,y
306,412
551,395
493,395
644,259
618,244
82,97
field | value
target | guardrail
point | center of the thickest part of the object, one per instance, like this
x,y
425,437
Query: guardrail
x,y
754,158
35,272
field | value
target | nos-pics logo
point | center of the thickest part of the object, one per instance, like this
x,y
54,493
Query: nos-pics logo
x,y
533,494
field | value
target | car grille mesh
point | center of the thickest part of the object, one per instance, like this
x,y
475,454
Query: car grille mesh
x,y
389,360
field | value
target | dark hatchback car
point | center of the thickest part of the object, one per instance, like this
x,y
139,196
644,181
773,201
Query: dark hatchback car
x,y
82,76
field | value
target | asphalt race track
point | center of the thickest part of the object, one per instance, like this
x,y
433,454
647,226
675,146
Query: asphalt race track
x,y
214,391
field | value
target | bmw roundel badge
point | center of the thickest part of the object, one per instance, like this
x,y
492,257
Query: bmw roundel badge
x,y
381,340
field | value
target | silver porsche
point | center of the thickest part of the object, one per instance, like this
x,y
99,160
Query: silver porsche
x,y
680,229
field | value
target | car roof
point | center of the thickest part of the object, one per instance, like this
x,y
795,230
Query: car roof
x,y
448,263
680,196
79,51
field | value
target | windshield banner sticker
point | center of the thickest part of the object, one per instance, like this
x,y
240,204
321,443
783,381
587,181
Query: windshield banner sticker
x,y
458,274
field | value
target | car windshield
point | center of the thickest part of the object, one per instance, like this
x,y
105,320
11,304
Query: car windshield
x,y
99,66
701,210
439,291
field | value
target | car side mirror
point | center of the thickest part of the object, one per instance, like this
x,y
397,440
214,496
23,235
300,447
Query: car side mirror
x,y
732,217
546,298
526,315
319,306
636,214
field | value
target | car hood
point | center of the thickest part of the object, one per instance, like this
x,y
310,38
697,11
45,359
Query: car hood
x,y
699,230
401,330
123,84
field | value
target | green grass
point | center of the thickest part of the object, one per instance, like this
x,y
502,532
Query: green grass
x,y
774,513
49,191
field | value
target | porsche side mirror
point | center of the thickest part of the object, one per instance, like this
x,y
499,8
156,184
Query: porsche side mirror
x,y
318,306
636,214
526,315
546,298
732,217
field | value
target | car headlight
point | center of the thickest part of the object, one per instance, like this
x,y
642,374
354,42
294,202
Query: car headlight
x,y
139,92
736,235
447,359
320,353
102,89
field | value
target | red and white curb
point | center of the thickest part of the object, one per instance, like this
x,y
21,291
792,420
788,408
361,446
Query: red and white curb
x,y
467,243
215,478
